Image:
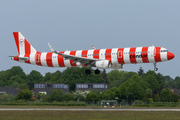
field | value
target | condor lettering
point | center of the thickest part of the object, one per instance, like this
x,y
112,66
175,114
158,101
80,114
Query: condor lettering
x,y
138,56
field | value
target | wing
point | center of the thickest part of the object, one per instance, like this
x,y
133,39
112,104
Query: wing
x,y
82,60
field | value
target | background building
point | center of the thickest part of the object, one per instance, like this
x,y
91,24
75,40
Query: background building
x,y
91,86
9,90
46,87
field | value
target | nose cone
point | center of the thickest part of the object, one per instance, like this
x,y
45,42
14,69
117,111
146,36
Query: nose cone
x,y
170,55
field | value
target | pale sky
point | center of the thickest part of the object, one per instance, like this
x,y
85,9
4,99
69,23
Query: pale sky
x,y
79,24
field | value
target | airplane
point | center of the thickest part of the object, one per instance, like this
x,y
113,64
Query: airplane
x,y
113,58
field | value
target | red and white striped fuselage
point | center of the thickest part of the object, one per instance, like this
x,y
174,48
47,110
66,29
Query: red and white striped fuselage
x,y
117,57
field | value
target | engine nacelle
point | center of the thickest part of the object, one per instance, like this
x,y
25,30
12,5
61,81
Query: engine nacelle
x,y
103,64
117,66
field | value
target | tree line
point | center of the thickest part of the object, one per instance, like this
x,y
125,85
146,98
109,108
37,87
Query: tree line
x,y
147,87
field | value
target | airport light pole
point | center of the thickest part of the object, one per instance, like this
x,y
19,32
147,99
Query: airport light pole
x,y
127,98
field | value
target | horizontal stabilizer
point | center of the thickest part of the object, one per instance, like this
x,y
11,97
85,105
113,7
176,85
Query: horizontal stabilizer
x,y
20,58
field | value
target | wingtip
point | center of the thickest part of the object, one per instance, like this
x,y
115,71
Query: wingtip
x,y
51,48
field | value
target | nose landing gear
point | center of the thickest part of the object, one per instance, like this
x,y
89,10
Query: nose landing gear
x,y
155,68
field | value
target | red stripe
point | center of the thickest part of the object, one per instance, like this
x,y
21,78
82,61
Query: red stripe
x,y
27,61
84,53
27,50
71,61
132,55
61,60
49,59
96,54
145,53
16,37
38,58
120,58
16,59
157,57
27,47
108,54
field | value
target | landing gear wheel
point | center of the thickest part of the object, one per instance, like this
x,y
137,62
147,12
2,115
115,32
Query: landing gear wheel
x,y
155,69
87,71
96,71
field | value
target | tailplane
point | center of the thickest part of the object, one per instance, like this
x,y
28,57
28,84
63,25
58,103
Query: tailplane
x,y
23,46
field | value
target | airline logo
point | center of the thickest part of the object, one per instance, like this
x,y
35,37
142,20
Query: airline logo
x,y
138,56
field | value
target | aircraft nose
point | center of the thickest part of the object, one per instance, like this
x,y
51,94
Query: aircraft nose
x,y
170,55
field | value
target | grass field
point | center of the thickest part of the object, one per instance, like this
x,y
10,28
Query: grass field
x,y
88,115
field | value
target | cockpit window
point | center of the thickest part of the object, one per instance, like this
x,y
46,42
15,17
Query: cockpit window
x,y
164,50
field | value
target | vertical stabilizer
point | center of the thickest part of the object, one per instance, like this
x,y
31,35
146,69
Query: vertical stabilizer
x,y
23,46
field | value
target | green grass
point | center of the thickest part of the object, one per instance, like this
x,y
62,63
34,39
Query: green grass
x,y
88,115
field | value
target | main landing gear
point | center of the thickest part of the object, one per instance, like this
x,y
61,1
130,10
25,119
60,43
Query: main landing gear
x,y
87,71
96,71
155,68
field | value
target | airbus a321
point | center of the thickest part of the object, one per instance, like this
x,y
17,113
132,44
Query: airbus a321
x,y
113,58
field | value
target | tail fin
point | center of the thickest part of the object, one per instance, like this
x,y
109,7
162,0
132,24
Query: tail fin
x,y
23,46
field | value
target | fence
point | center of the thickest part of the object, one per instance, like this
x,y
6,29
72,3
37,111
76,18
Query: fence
x,y
97,103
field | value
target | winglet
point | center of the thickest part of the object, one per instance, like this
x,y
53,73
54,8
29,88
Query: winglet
x,y
51,48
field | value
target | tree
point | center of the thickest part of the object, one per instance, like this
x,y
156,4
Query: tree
x,y
80,95
16,79
25,95
153,83
68,97
107,95
104,76
174,97
136,90
156,98
23,86
39,96
56,95
15,84
30,84
116,92
7,97
91,97
166,95
35,77
141,71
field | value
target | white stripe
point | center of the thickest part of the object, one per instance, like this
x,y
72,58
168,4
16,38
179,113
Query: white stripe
x,y
114,56
43,59
150,55
32,59
163,55
90,53
32,49
79,53
139,52
67,62
126,56
102,54
21,45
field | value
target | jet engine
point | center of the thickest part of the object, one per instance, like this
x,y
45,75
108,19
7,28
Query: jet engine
x,y
103,64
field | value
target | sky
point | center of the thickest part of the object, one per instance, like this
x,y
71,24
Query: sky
x,y
81,24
